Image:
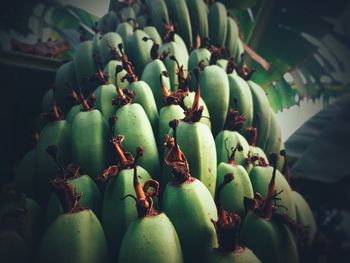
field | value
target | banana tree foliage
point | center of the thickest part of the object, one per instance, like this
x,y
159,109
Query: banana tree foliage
x,y
47,19
306,45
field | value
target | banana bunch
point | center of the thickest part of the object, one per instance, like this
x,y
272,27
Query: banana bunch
x,y
156,146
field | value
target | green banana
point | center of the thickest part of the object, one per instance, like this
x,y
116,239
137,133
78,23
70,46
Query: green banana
x,y
90,140
65,74
139,50
190,207
215,92
107,23
86,67
107,46
217,19
180,16
153,33
262,116
199,19
241,99
115,77
134,124
119,185
172,66
274,140
232,36
188,102
198,55
159,14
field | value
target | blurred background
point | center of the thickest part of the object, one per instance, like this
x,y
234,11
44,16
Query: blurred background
x,y
307,44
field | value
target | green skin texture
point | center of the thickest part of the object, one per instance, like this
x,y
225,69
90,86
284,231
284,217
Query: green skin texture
x,y
85,66
135,126
32,225
241,99
197,55
199,19
104,96
260,178
178,39
232,195
153,33
167,114
73,238
232,35
180,16
217,19
215,92
107,23
65,74
58,133
158,11
90,142
305,216
222,63
239,50
188,101
139,51
125,30
91,198
190,207
228,140
104,50
144,97
151,239
274,242
128,12
151,75
121,211
110,71
47,101
13,248
261,107
198,145
26,175
240,255
275,136
180,54
142,21
72,113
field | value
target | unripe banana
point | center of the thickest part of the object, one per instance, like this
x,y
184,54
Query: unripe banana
x,y
232,36
159,14
262,116
153,33
180,16
199,18
217,19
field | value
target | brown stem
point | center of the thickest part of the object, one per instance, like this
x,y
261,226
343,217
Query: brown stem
x,y
234,120
227,226
195,113
175,158
268,204
251,135
231,159
285,170
164,90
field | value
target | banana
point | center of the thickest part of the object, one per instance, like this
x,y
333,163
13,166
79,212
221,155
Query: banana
x,y
217,19
153,33
159,14
199,18
215,92
172,67
139,50
196,56
262,116
180,16
274,140
241,98
107,23
85,67
232,36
